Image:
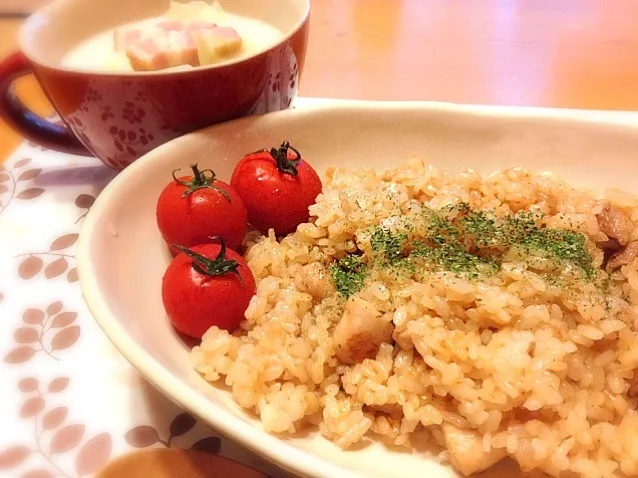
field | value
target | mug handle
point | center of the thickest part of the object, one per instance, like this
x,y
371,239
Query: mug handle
x,y
33,127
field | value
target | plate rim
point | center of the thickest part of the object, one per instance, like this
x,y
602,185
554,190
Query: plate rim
x,y
282,454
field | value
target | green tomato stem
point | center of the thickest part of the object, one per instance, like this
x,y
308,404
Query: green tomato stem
x,y
200,181
212,267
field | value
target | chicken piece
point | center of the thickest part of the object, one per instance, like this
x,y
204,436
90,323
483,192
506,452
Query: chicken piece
x,y
466,450
361,331
216,43
615,224
125,36
313,279
610,245
174,48
623,257
627,314
524,453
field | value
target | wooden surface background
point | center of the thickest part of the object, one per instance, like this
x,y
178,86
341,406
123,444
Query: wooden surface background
x,y
560,53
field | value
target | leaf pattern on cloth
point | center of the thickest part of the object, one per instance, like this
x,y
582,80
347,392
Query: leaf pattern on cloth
x,y
47,331
84,201
52,436
144,436
94,454
11,183
76,418
58,262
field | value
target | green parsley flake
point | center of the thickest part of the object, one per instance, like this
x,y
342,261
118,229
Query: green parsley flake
x,y
441,229
349,274
467,243
563,245
455,258
486,230
389,244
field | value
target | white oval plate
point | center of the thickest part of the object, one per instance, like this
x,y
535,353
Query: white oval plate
x,y
121,257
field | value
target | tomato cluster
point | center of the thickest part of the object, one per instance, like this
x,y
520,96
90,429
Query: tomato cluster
x,y
204,221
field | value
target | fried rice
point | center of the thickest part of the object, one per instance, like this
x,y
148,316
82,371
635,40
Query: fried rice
x,y
532,360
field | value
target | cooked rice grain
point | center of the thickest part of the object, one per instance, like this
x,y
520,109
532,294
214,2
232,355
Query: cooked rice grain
x,y
535,369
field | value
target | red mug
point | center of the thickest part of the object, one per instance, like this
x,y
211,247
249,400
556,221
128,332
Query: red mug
x,y
119,117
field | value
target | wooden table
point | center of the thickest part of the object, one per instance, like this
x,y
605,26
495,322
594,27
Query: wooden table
x,y
561,53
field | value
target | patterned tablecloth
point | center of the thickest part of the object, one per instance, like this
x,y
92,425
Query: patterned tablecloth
x,y
69,402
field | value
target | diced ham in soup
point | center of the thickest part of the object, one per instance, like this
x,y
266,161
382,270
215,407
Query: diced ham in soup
x,y
173,48
124,37
172,26
221,36
175,25
167,44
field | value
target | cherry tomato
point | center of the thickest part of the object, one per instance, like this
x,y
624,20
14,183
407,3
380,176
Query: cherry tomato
x,y
205,286
277,187
191,209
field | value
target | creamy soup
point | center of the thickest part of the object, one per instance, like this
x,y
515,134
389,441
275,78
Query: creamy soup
x,y
185,36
